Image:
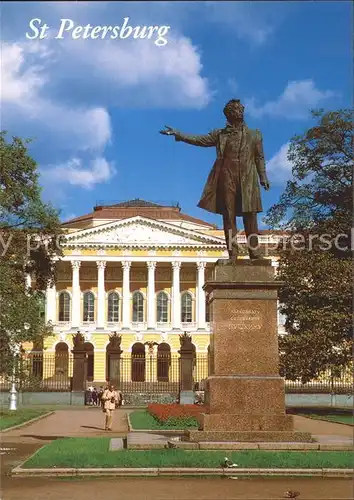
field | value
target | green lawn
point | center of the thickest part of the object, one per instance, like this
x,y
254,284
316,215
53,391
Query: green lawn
x,y
345,418
93,452
10,418
141,420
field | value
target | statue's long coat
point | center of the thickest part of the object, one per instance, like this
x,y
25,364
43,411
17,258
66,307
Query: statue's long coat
x,y
251,164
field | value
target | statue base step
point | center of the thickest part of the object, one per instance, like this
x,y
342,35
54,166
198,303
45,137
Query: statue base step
x,y
247,436
246,422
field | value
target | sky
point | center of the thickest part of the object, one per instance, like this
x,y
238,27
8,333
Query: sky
x,y
94,107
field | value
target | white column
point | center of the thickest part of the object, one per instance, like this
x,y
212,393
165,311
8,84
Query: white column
x,y
176,296
151,316
51,305
101,309
201,295
76,295
126,295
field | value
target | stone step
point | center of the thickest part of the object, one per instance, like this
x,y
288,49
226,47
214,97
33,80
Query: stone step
x,y
143,441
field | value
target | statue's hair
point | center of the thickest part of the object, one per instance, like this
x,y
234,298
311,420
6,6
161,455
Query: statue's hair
x,y
233,104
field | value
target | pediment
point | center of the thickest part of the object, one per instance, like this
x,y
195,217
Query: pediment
x,y
140,231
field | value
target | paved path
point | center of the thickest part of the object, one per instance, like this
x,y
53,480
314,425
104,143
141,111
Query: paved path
x,y
325,432
87,422
176,489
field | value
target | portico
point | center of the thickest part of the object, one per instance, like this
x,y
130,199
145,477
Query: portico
x,y
161,307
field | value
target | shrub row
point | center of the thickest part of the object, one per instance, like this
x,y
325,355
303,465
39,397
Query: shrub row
x,y
176,414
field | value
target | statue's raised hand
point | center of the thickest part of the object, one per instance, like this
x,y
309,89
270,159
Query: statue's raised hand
x,y
168,131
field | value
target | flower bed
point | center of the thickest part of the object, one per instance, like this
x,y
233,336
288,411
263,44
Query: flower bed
x,y
176,414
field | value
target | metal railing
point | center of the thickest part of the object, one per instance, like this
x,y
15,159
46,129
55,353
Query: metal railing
x,y
154,374
339,381
41,372
145,373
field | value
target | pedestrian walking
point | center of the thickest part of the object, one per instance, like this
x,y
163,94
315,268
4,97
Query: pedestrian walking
x,y
109,399
99,395
94,396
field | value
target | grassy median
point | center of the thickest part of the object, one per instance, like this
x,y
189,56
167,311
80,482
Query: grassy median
x,y
336,418
11,418
94,452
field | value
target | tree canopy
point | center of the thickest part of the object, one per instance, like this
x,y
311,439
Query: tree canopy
x,y
29,235
315,210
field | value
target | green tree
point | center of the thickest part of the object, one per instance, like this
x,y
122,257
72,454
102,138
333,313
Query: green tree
x,y
315,210
29,238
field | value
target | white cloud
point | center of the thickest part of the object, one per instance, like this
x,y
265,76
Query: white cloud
x,y
137,72
279,168
294,103
23,100
76,173
18,85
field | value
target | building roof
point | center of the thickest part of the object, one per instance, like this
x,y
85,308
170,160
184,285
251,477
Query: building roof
x,y
137,202
133,208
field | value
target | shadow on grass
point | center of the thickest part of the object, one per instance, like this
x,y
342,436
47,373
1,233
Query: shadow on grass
x,y
43,438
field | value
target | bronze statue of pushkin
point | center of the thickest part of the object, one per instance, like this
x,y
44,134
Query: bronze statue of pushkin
x,y
232,188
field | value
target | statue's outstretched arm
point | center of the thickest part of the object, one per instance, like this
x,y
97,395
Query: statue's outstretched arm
x,y
205,141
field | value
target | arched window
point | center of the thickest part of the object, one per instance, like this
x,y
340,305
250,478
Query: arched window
x,y
61,359
138,362
89,307
64,307
186,308
113,307
90,360
37,358
163,362
138,307
162,307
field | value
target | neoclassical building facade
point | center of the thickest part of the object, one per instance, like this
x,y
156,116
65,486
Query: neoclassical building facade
x,y
138,269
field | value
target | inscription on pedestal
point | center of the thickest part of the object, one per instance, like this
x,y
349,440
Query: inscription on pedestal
x,y
246,319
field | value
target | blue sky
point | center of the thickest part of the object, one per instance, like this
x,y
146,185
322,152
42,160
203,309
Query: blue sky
x,y
95,107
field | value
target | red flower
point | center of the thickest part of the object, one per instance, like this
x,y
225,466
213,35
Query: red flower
x,y
163,412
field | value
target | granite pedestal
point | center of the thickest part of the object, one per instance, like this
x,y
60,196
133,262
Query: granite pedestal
x,y
244,395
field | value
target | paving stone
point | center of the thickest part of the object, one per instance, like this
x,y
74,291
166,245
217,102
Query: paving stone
x,y
141,441
288,446
116,444
227,445
336,447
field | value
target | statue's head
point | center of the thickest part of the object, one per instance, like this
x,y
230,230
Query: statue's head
x,y
234,111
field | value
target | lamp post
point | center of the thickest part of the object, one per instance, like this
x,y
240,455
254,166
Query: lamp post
x,y
13,392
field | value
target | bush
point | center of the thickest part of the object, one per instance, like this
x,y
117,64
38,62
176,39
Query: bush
x,y
176,414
